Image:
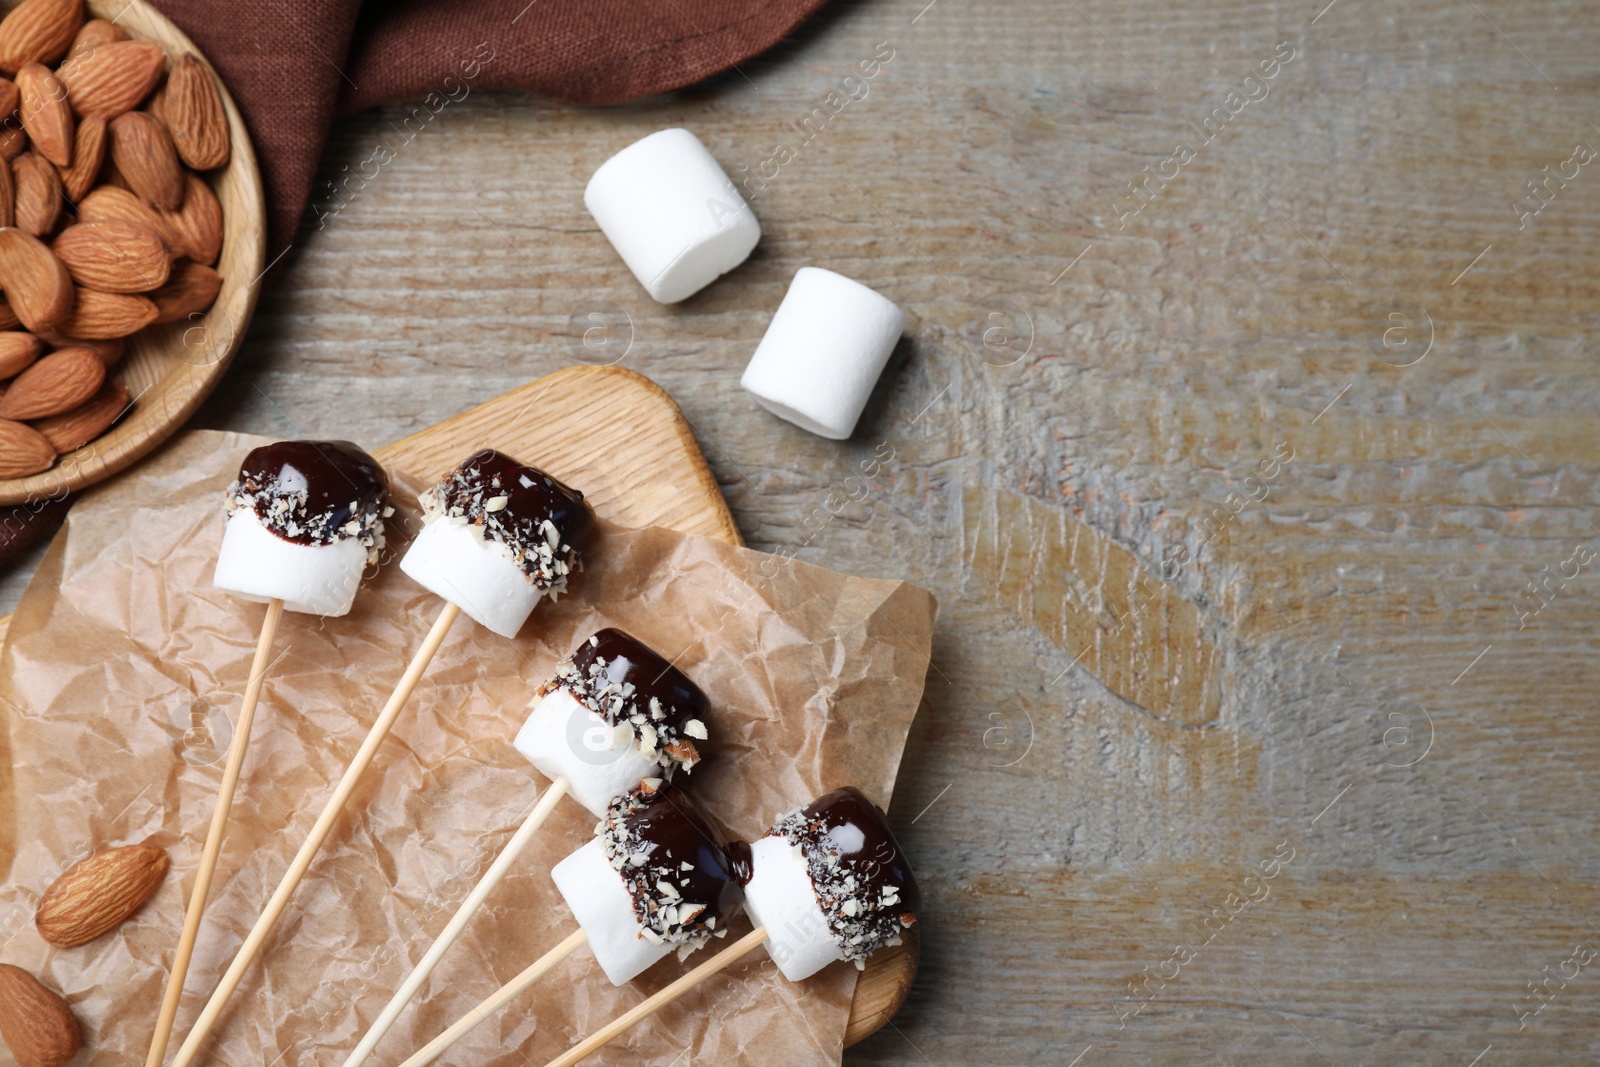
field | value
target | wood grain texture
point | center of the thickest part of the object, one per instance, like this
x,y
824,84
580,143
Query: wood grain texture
x,y
1128,380
170,369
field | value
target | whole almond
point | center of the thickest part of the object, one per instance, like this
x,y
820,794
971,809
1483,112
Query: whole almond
x,y
18,351
144,153
38,31
198,223
107,202
193,110
13,140
37,1024
10,98
115,256
58,382
108,349
76,428
94,895
113,78
88,153
38,191
95,32
36,283
46,115
99,316
192,288
8,196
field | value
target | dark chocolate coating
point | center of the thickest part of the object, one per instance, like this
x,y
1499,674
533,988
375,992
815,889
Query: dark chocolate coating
x,y
860,831
666,827
627,661
340,480
532,497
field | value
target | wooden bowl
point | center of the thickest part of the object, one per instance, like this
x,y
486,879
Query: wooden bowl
x,y
169,369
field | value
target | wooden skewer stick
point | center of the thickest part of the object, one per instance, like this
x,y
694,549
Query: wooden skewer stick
x,y
469,907
319,833
660,1000
497,1000
213,845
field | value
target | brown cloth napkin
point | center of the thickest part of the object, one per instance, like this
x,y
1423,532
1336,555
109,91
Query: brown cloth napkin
x,y
293,64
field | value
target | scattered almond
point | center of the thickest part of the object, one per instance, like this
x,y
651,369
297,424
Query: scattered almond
x,y
145,155
58,382
114,78
38,192
108,349
198,223
88,153
96,894
99,316
18,351
35,282
76,428
114,257
192,107
38,31
192,288
46,115
37,1024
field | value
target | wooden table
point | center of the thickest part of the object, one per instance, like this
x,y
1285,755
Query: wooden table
x,y
1231,485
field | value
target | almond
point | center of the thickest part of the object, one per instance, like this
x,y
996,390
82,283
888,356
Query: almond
x,y
10,98
8,318
38,191
88,152
144,153
37,1024
193,109
46,116
192,288
95,32
98,893
109,349
198,223
8,196
36,283
114,78
76,428
38,31
13,140
17,352
115,256
99,316
108,202
58,382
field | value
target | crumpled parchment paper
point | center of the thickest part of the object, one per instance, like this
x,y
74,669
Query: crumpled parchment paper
x,y
121,679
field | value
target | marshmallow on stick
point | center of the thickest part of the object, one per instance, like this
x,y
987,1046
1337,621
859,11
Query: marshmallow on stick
x,y
529,527
657,879
305,521
828,882
616,712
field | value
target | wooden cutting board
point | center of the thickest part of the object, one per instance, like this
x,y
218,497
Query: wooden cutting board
x,y
620,436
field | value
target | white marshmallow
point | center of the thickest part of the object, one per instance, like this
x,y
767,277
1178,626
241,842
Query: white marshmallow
x,y
672,214
564,738
258,565
600,900
823,351
780,897
476,574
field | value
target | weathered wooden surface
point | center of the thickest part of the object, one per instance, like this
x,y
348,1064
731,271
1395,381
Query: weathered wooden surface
x,y
1308,681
